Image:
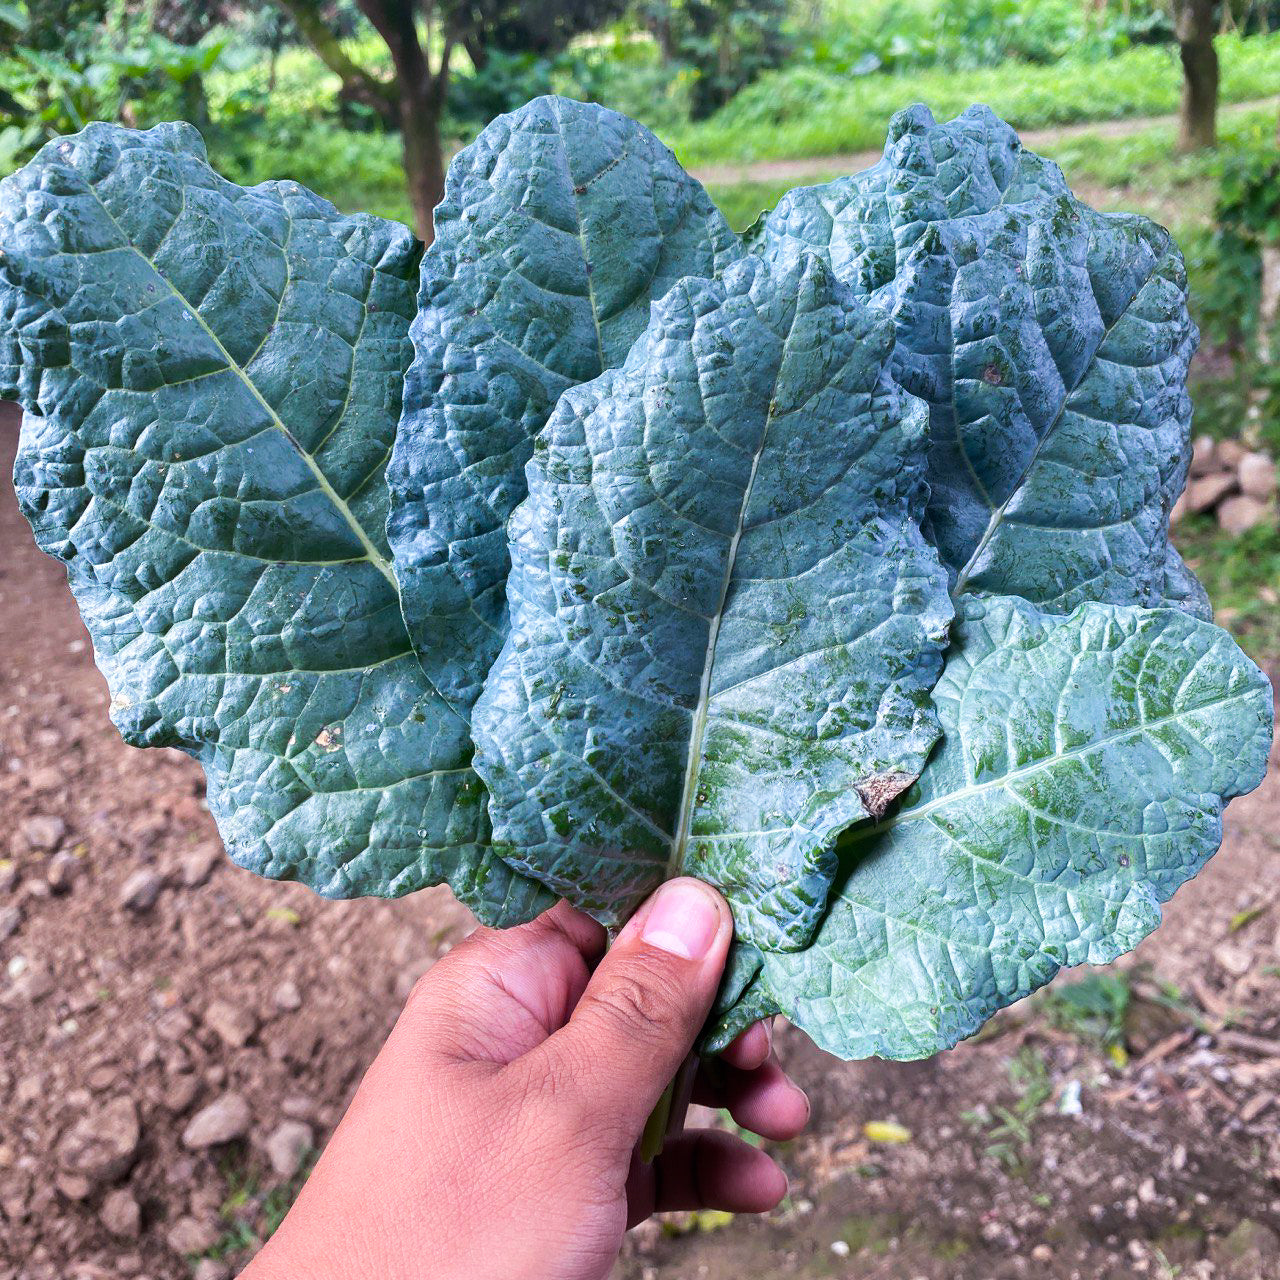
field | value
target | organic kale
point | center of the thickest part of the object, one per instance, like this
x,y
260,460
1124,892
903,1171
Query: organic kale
x,y
596,544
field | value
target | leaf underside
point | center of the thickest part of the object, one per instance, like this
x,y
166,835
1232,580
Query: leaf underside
x,y
725,621
559,225
212,378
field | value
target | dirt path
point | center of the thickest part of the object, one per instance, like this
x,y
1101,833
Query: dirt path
x,y
145,980
813,167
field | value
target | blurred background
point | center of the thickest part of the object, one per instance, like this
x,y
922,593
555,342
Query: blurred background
x,y
177,1038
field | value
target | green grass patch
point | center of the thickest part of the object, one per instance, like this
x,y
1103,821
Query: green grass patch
x,y
1241,575
803,111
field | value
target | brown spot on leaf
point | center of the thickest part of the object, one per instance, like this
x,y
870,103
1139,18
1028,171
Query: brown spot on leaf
x,y
881,790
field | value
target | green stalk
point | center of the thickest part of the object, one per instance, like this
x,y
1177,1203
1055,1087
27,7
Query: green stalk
x,y
666,1120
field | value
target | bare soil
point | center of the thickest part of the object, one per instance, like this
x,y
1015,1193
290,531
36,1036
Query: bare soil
x,y
1031,1151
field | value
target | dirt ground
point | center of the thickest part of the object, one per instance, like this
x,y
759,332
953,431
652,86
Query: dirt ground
x,y
177,1035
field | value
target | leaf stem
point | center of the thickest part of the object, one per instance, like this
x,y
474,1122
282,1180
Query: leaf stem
x,y
666,1120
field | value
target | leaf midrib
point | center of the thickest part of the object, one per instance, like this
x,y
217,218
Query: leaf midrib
x,y
698,730
371,552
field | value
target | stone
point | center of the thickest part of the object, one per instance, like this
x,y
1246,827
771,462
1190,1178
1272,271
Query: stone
x,y
1229,452
1205,493
74,1186
287,998
140,891
121,1214
1179,509
33,984
1204,455
43,833
189,1236
62,871
1257,476
10,921
180,1092
102,1145
196,865
233,1024
1240,514
1236,960
288,1145
48,778
223,1120
208,1269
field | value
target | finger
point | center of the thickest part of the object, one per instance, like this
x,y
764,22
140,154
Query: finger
x,y
765,1101
500,993
705,1169
644,1006
752,1047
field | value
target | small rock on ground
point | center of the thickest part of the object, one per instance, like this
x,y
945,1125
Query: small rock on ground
x,y
287,998
223,1120
102,1145
140,891
1241,513
1257,476
43,833
233,1024
10,921
120,1214
288,1145
189,1235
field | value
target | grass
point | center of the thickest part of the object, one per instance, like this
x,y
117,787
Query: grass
x,y
806,112
1138,173
1241,575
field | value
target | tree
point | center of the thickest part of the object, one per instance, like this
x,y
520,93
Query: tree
x,y
726,42
412,100
1194,27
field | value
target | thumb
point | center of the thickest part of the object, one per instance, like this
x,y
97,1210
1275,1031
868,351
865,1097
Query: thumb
x,y
645,1004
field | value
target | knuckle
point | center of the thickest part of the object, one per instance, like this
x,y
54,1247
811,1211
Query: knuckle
x,y
639,998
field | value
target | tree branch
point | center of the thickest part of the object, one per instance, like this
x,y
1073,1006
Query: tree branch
x,y
357,84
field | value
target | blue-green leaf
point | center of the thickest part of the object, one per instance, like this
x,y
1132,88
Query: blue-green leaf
x,y
559,225
725,620
1081,779
212,378
1051,343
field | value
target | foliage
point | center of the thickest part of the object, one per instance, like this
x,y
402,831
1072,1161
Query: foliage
x,y
803,111
1094,1009
108,70
1241,574
727,44
677,631
960,35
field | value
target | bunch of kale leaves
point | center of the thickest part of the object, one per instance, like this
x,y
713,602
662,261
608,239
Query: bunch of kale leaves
x,y
598,544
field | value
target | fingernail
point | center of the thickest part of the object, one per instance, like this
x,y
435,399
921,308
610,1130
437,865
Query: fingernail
x,y
683,920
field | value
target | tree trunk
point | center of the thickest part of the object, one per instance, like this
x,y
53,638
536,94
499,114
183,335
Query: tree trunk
x,y
1199,123
423,154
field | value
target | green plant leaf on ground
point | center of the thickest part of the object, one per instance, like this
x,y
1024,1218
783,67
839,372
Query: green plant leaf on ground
x,y
212,378
725,620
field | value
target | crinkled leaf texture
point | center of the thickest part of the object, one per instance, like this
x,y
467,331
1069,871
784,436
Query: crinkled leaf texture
x,y
559,225
212,378
724,619
1081,779
1051,343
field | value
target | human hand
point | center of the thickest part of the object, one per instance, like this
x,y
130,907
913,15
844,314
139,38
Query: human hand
x,y
494,1137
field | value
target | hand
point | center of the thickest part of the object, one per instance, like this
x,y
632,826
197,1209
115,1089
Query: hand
x,y
494,1136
